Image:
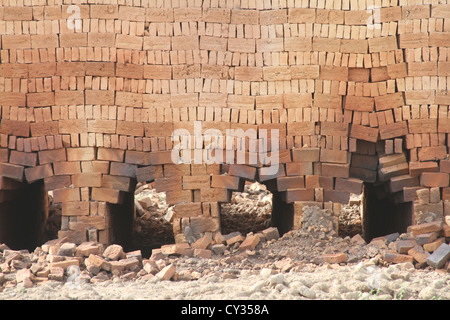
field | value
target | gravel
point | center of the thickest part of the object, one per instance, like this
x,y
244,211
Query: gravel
x,y
363,281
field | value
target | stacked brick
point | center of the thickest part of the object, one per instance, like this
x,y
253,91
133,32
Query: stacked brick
x,y
357,90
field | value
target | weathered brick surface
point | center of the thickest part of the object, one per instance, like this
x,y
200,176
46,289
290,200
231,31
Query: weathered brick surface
x,y
351,104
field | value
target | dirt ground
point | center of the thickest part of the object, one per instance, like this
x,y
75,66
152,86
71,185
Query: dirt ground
x,y
290,267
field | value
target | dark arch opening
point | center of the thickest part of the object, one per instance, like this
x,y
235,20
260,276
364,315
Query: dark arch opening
x,y
23,216
381,214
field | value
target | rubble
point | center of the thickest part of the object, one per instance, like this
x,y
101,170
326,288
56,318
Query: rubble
x,y
313,244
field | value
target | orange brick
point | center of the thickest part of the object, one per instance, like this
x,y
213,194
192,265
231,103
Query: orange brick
x,y
87,180
434,179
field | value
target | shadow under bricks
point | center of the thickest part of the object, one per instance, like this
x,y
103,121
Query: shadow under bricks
x,y
382,215
23,215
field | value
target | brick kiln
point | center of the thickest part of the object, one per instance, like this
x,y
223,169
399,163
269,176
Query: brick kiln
x,y
91,92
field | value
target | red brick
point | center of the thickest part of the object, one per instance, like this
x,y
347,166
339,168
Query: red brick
x,y
227,182
38,172
23,158
434,179
87,180
50,156
66,195
107,195
334,258
12,171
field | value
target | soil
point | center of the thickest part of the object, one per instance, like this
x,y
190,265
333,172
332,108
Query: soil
x,y
291,267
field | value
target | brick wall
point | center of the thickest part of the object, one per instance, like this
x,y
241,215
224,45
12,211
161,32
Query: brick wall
x,y
92,111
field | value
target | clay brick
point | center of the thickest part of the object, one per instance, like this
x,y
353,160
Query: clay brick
x,y
244,16
359,104
161,15
15,128
124,41
301,194
333,73
336,156
81,154
226,182
68,40
440,256
123,169
16,42
393,130
394,257
241,45
101,126
243,171
117,182
351,185
116,155
353,46
166,273
419,255
132,13
158,72
104,12
336,196
75,208
403,246
71,68
72,126
334,258
14,99
301,15
107,195
434,179
17,13
419,97
432,153
99,97
12,171
129,99
185,43
433,246
50,156
217,15
418,229
87,180
66,168
336,170
66,195
269,45
100,69
95,39
215,195
389,101
285,183
249,243
38,172
413,40
69,98
23,158
184,14
40,99
383,44
213,43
